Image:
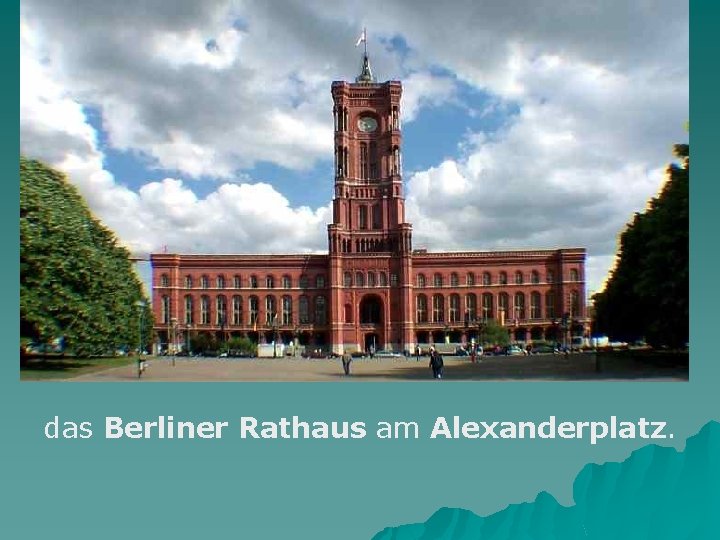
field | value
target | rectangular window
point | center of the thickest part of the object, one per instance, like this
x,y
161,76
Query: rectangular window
x,y
363,161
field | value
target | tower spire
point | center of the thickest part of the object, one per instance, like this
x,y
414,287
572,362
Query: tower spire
x,y
366,75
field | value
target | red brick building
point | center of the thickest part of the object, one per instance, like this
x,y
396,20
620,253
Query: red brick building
x,y
371,289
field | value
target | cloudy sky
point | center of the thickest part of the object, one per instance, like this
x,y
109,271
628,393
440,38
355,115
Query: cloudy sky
x,y
206,127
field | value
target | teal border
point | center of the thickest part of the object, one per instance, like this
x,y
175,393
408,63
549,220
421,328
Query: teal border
x,y
309,489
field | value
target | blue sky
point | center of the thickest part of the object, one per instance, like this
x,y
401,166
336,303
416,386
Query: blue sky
x,y
207,127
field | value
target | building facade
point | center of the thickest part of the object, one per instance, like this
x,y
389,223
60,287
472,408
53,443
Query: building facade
x,y
372,289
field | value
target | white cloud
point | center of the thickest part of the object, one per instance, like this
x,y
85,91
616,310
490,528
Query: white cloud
x,y
597,103
245,217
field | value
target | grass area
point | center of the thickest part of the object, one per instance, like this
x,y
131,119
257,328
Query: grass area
x,y
44,369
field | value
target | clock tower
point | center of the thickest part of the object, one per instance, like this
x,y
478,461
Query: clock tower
x,y
370,244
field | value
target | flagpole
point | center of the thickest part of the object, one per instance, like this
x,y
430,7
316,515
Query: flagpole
x,y
365,39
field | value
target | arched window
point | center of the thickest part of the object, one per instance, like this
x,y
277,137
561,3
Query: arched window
x,y
471,307
220,282
237,310
320,311
421,281
286,282
363,163
454,308
421,308
205,310
363,217
502,280
437,280
304,310
204,282
371,279
188,309
237,282
550,304
503,305
188,282
383,279
518,278
573,275
535,277
347,279
550,276
287,310
438,308
165,310
454,281
575,304
221,311
270,309
377,217
470,279
535,307
164,280
254,310
519,306
487,306
359,279
253,282
320,282
270,282
304,281
487,279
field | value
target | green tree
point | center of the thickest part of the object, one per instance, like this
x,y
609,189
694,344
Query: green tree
x,y
494,334
647,295
76,282
243,344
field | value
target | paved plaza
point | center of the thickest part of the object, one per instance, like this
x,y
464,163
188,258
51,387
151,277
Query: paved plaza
x,y
498,368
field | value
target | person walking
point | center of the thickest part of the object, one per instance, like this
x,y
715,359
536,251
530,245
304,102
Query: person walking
x,y
346,361
417,353
436,364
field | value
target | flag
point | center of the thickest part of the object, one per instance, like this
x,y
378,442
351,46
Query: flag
x,y
362,38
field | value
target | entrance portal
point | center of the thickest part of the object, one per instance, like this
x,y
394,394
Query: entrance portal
x,y
371,309
372,342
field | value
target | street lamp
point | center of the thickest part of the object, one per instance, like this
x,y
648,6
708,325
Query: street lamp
x,y
481,330
565,326
274,326
140,304
173,331
222,332
296,341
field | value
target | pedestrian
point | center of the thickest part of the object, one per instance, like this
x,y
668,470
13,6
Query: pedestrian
x,y
346,361
436,364
473,352
417,353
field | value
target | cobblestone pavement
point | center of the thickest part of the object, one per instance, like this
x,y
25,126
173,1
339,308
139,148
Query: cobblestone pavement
x,y
538,367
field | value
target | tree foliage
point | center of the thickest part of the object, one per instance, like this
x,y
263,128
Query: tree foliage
x,y
76,282
494,334
647,295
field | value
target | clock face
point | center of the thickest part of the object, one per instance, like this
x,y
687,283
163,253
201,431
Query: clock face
x,y
367,124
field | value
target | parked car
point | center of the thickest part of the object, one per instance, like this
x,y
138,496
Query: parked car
x,y
513,350
387,354
543,348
